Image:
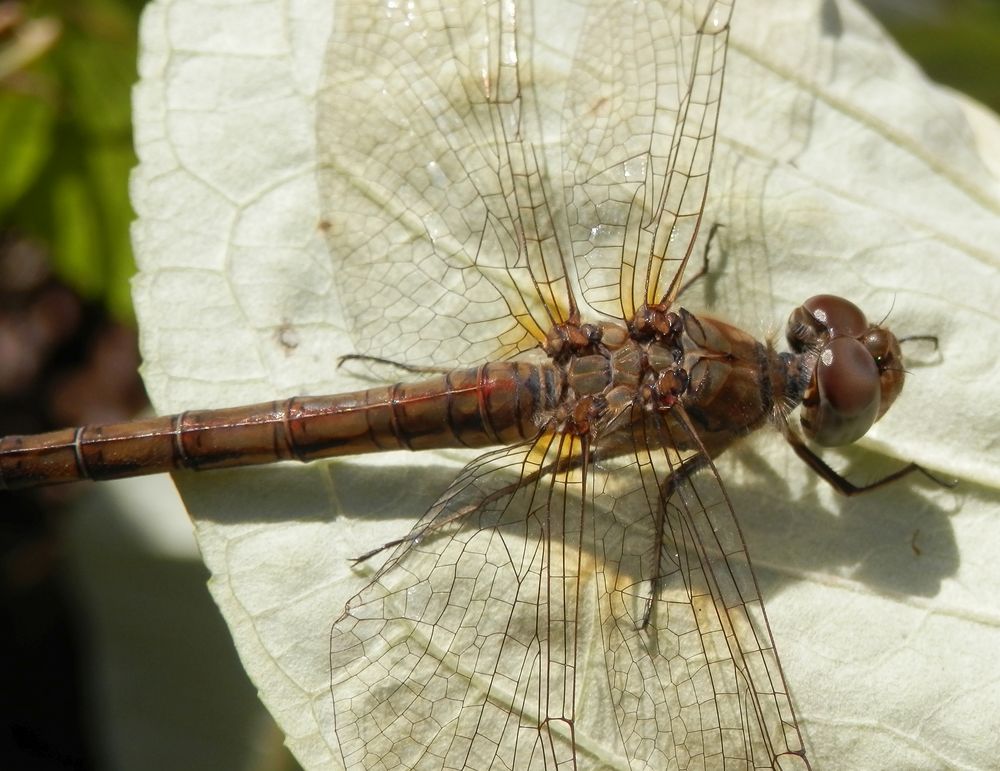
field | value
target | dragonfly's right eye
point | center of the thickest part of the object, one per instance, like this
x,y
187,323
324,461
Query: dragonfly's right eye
x,y
843,398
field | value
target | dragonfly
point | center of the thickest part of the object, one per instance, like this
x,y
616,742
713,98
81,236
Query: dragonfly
x,y
581,596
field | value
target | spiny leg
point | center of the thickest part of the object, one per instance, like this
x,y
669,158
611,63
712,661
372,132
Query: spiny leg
x,y
844,486
560,465
704,269
390,363
679,476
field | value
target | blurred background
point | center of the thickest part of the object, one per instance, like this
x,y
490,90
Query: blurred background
x,y
112,655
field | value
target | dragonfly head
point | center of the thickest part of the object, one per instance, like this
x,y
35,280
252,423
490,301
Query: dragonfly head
x,y
856,369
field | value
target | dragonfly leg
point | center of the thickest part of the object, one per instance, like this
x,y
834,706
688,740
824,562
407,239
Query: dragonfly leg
x,y
841,484
679,476
704,270
418,534
391,363
932,339
561,465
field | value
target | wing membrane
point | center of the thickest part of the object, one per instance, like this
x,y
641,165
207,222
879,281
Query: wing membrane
x,y
564,604
687,645
438,207
745,714
639,122
461,652
551,611
447,229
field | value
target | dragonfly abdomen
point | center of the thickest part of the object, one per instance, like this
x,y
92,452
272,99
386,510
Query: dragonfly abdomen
x,y
488,405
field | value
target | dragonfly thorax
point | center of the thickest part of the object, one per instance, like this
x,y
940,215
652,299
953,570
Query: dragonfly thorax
x,y
614,370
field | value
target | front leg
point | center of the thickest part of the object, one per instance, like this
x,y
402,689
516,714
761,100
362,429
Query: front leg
x,y
840,483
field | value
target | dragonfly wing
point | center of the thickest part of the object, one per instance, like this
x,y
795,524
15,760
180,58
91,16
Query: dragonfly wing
x,y
704,663
437,205
461,653
639,123
550,612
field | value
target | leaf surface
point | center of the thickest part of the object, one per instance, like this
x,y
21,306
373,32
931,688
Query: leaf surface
x,y
838,169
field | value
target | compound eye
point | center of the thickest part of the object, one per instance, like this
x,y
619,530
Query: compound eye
x,y
842,401
883,347
877,341
840,317
821,318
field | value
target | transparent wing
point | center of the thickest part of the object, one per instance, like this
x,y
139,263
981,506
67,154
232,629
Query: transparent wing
x,y
462,653
704,662
436,202
552,612
639,125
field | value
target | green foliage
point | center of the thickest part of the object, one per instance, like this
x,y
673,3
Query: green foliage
x,y
65,130
957,43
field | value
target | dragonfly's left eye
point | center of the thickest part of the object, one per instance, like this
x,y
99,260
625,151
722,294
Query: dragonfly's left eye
x,y
842,401
822,317
883,347
879,344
